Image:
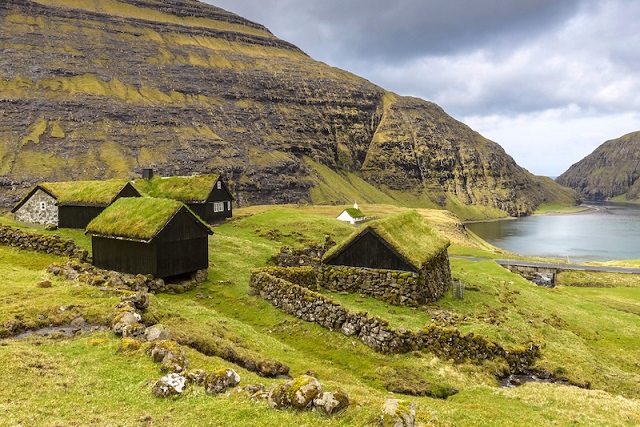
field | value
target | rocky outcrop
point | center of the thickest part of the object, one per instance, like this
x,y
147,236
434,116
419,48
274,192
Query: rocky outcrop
x,y
92,95
611,170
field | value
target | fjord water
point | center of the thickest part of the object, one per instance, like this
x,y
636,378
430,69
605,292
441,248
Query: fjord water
x,y
608,231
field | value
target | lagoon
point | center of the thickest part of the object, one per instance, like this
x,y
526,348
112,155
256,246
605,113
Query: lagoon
x,y
607,231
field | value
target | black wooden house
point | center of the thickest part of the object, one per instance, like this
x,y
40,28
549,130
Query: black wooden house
x,y
206,195
70,204
147,235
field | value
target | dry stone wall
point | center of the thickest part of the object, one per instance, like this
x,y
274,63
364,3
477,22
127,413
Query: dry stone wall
x,y
48,243
392,286
375,332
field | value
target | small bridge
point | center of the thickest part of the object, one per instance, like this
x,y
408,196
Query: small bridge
x,y
544,273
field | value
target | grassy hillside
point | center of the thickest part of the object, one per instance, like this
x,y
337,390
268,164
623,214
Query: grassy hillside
x,y
589,335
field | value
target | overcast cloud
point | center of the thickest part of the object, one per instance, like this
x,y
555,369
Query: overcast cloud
x,y
549,80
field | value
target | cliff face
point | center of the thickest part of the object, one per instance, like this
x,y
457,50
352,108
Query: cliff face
x,y
103,89
611,170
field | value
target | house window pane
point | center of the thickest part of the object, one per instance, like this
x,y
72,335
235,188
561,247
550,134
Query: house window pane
x,y
218,207
43,206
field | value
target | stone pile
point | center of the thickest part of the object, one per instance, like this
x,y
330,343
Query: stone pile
x,y
93,276
306,393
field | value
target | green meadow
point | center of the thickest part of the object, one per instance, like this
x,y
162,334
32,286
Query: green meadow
x,y
588,328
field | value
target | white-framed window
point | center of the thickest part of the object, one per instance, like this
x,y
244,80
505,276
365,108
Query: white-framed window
x,y
228,206
218,206
43,206
219,185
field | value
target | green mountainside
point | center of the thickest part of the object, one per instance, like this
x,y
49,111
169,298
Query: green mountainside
x,y
611,170
97,90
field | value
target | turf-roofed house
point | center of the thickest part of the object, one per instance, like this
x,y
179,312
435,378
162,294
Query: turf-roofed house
x,y
352,215
70,204
146,235
400,259
206,195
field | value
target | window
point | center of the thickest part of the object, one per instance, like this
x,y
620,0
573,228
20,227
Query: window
x,y
219,185
43,206
218,206
228,206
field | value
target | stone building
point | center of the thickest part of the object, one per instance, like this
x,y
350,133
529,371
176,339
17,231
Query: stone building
x,y
70,204
401,260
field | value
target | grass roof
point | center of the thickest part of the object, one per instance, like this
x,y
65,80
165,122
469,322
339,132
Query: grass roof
x,y
137,218
408,233
354,213
183,188
85,192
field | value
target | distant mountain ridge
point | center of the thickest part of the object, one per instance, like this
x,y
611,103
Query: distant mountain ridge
x,y
96,90
612,170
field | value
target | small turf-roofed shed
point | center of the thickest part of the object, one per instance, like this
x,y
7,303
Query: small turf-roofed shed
x,y
380,252
70,204
147,235
206,195
351,215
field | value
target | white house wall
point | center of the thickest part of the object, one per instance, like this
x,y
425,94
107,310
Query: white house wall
x,y
41,208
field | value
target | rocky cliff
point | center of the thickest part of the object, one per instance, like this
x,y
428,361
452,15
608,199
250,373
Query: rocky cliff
x,y
611,170
93,90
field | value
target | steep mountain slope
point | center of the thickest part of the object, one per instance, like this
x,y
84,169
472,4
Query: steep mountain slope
x,y
93,90
611,170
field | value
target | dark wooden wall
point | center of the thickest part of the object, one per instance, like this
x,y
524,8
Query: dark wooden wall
x,y
371,251
77,216
124,255
181,247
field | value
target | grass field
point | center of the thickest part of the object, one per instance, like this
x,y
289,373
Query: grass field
x,y
590,335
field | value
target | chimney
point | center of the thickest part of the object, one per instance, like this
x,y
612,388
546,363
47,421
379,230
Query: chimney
x,y
147,173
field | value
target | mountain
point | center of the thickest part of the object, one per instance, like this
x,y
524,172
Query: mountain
x,y
93,90
611,170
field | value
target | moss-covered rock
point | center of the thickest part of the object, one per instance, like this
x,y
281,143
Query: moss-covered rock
x,y
170,355
330,403
303,390
397,413
170,385
221,380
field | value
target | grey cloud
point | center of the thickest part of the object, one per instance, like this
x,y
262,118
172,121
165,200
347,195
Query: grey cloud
x,y
401,30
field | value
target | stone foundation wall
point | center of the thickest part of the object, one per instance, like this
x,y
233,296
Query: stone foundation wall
x,y
47,243
41,208
448,343
392,286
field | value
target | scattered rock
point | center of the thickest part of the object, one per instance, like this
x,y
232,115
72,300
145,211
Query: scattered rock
x,y
157,332
278,396
303,390
398,413
170,356
196,376
330,403
220,381
169,385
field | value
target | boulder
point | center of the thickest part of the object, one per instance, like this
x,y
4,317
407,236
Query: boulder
x,y
196,376
123,318
329,403
170,356
398,413
157,332
169,385
303,390
278,396
221,380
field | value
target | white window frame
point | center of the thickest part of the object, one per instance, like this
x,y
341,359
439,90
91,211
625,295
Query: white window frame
x,y
218,206
219,185
43,206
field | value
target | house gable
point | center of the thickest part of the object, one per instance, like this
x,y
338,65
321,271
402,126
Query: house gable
x,y
37,207
370,250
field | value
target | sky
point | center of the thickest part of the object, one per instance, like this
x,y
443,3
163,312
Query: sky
x,y
548,80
